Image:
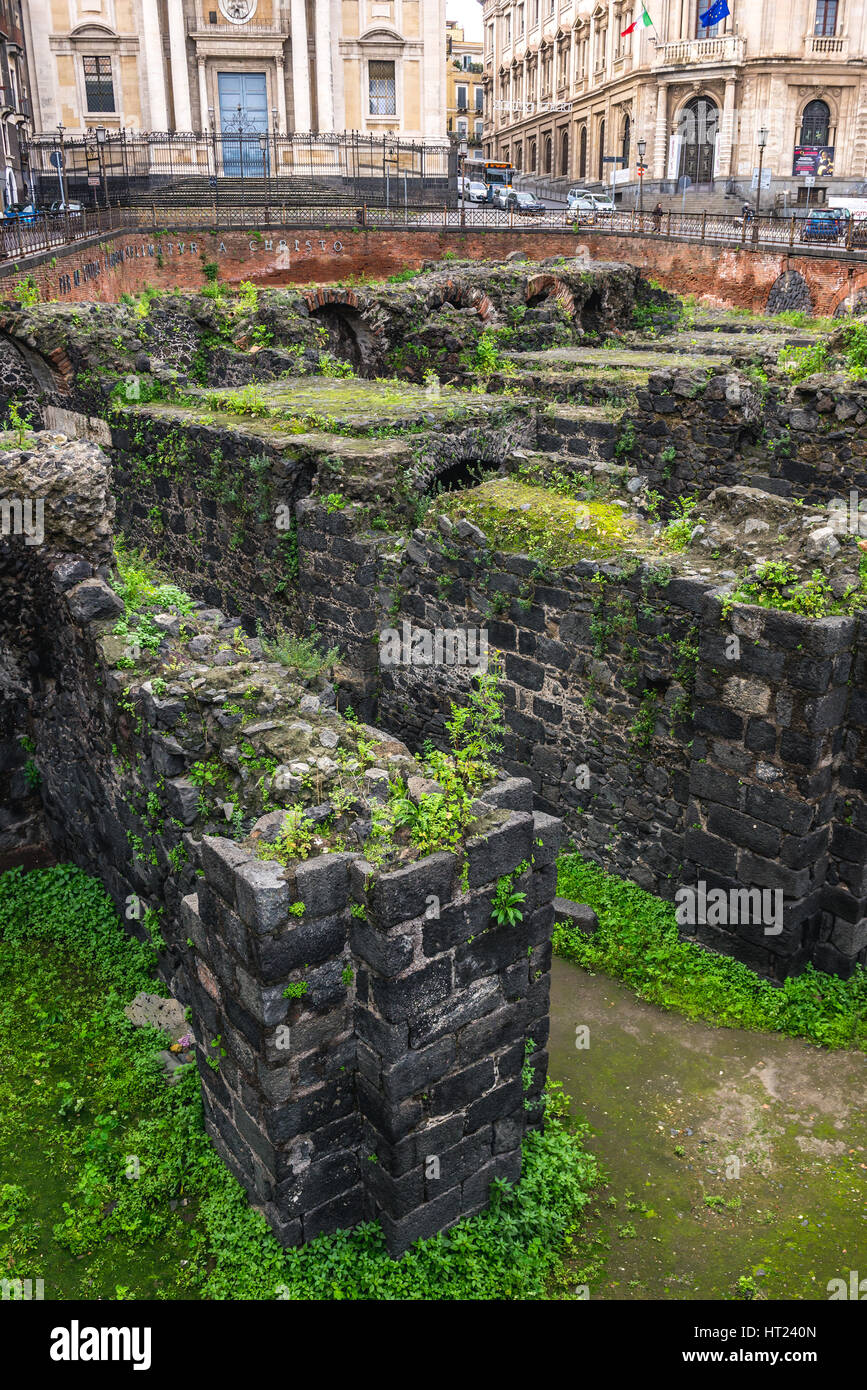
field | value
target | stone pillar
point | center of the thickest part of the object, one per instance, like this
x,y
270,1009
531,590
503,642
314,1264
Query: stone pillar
x,y
204,121
281,96
300,67
180,75
660,136
373,1026
726,136
324,94
152,63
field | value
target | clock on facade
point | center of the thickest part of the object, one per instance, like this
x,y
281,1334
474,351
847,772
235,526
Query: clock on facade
x,y
238,11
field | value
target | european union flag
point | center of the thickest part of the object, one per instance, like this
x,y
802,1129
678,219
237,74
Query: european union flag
x,y
717,11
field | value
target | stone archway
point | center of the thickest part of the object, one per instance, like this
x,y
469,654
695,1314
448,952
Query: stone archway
x,y
354,333
789,291
540,288
461,297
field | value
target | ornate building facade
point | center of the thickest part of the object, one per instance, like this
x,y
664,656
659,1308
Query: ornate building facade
x,y
569,94
373,66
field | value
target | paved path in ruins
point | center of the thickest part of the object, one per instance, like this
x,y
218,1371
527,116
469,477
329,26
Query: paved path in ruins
x,y
670,1101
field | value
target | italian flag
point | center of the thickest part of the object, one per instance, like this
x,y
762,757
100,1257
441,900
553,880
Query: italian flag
x,y
645,19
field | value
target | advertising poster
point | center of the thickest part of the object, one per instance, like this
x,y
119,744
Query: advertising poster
x,y
813,159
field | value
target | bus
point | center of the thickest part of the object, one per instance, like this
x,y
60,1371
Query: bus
x,y
497,173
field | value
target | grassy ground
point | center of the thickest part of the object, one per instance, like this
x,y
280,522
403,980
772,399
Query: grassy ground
x,y
111,1189
637,942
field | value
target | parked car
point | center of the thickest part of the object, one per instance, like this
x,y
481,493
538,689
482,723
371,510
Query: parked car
x,y
476,191
58,208
23,212
823,225
580,201
519,200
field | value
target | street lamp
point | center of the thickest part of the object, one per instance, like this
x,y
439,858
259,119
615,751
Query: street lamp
x,y
642,147
763,140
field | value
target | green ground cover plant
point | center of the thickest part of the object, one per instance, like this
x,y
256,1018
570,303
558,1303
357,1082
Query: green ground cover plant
x,y
637,942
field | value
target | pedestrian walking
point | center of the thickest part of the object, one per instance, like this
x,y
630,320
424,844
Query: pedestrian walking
x,y
657,217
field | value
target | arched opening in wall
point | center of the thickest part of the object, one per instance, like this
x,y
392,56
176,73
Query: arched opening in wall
x,y
531,161
697,128
625,136
789,292
592,314
564,154
582,153
26,380
815,128
601,172
349,337
463,473
549,154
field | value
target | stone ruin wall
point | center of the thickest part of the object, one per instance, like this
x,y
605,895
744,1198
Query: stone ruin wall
x,y
409,1039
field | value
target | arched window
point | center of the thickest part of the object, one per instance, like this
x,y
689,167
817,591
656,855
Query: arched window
x,y
519,157
549,154
815,124
826,18
601,173
582,153
624,144
564,154
532,157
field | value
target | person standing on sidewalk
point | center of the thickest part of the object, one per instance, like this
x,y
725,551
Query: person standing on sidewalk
x,y
657,217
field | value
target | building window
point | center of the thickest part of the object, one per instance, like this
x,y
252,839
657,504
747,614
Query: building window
x,y
520,19
826,18
549,154
480,98
815,124
519,157
531,160
383,96
701,31
535,12
480,125
601,174
564,154
462,128
582,153
98,84
462,98
624,147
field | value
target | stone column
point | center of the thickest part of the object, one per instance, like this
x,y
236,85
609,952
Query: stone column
x,y
324,96
180,76
152,62
300,67
726,135
281,95
204,120
660,137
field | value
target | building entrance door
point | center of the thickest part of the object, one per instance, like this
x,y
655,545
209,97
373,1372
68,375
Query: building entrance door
x,y
243,118
697,127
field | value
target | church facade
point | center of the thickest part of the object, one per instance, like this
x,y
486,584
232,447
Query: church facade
x,y
249,66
